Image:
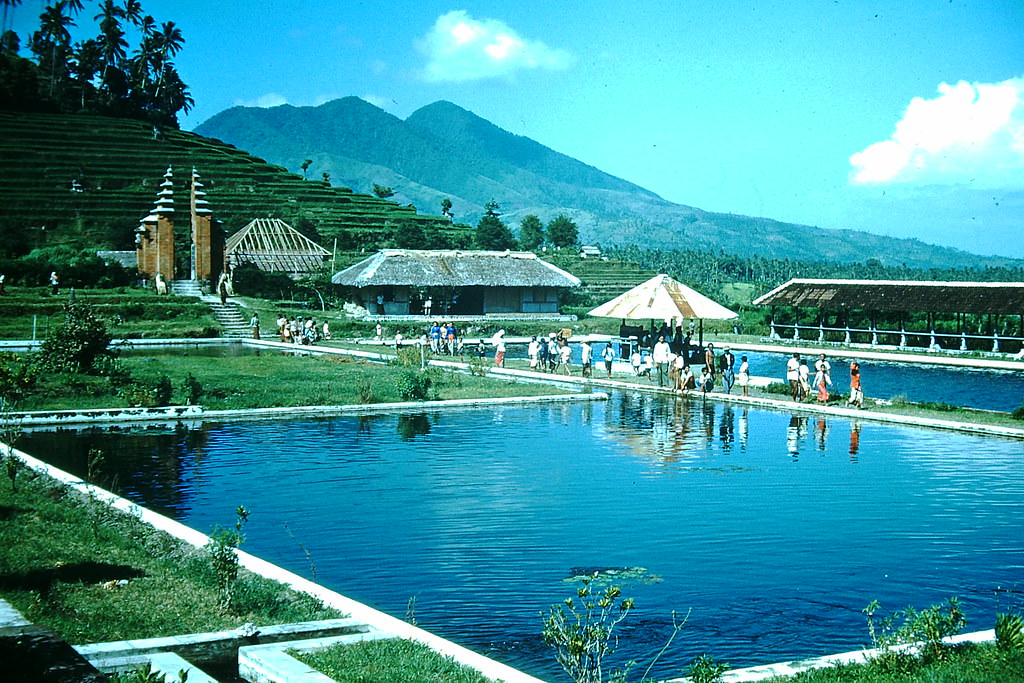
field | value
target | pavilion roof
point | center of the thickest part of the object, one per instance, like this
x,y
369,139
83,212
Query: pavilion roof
x,y
900,295
454,268
274,246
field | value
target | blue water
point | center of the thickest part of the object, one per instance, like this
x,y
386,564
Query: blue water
x,y
966,387
774,530
1001,390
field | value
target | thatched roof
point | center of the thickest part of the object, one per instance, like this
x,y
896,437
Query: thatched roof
x,y
900,295
423,268
274,246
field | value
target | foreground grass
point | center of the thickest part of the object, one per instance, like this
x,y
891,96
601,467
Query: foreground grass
x,y
94,574
389,661
964,664
264,379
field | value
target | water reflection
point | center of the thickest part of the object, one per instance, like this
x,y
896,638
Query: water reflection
x,y
757,520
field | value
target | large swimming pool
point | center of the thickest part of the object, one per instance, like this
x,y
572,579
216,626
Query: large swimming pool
x,y
775,530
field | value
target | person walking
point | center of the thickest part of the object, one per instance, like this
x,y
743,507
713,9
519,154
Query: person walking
x,y
743,376
587,358
793,376
856,391
609,356
254,324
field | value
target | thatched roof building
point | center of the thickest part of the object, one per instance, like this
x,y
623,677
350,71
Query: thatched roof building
x,y
410,281
274,246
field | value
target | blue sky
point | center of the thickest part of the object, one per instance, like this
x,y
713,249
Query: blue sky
x,y
900,117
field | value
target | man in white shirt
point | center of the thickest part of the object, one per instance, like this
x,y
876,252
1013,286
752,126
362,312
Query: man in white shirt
x,y
661,353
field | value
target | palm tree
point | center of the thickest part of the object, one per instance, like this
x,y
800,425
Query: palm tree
x,y
8,5
51,42
133,12
112,43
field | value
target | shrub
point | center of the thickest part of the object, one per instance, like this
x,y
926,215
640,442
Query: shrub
x,y
193,390
163,392
928,627
1018,413
1010,632
75,345
416,385
706,670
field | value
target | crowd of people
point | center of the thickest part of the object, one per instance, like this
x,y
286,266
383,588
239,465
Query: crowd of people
x,y
803,388
296,330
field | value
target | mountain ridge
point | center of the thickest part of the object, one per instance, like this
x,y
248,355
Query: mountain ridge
x,y
445,151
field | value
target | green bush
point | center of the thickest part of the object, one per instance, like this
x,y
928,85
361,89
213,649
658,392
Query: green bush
x,y
163,392
416,385
1018,413
75,345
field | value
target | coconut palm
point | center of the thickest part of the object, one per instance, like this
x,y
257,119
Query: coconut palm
x,y
51,43
9,6
112,44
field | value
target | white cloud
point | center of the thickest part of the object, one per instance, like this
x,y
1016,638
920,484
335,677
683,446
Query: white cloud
x,y
971,133
461,48
272,99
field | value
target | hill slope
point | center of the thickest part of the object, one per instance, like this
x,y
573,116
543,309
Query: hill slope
x,y
119,164
442,150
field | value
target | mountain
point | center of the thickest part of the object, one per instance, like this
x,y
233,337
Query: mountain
x,y
444,151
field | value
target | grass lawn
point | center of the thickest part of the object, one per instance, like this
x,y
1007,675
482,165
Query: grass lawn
x,y
964,664
264,379
94,574
389,661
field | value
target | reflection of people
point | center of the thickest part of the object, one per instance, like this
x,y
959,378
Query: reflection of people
x,y
854,439
856,392
821,431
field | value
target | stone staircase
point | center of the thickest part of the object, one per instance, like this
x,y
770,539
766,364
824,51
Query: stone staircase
x,y
187,288
233,320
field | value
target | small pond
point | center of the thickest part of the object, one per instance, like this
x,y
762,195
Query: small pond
x,y
774,529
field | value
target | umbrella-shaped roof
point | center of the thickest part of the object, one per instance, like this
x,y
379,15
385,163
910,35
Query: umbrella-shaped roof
x,y
663,298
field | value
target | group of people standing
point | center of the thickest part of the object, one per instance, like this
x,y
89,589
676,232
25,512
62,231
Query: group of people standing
x,y
554,354
798,374
677,367
444,339
298,330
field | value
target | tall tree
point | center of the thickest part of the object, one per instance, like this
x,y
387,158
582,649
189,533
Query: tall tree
x,y
9,6
491,233
562,232
52,43
531,232
113,51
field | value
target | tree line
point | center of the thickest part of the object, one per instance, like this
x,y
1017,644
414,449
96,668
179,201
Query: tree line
x,y
709,270
96,75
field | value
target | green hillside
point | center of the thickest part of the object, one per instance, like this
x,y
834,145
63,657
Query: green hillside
x,y
444,151
118,165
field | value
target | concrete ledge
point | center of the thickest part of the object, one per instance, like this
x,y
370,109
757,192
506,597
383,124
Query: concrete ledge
x,y
791,668
274,664
217,645
167,663
363,613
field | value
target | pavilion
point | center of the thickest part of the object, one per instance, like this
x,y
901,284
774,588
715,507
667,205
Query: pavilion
x,y
456,282
956,315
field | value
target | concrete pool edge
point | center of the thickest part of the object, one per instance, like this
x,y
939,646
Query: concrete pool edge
x,y
357,610
127,416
